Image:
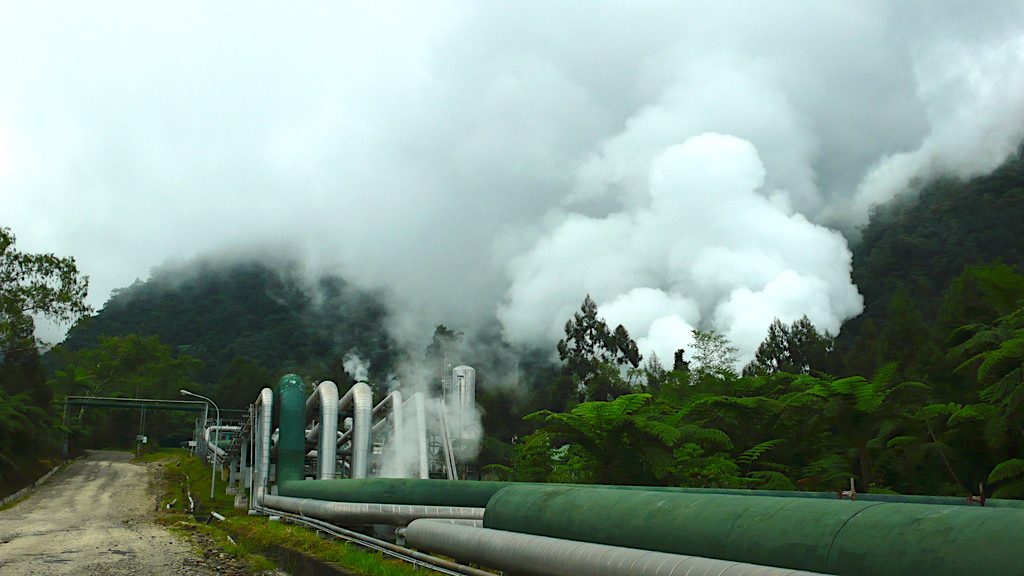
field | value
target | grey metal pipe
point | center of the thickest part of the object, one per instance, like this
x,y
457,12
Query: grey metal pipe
x,y
358,399
463,399
243,473
354,513
446,439
264,407
325,397
390,408
217,449
528,555
421,434
407,554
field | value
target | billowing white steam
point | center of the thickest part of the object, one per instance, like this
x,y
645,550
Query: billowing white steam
x,y
400,453
463,157
706,247
355,366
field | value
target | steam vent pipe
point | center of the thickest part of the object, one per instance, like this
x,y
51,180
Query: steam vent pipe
x,y
851,538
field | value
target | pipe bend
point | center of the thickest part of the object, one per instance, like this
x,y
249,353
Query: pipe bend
x,y
324,397
264,407
362,419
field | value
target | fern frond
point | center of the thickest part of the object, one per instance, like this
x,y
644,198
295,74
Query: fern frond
x,y
751,454
1006,469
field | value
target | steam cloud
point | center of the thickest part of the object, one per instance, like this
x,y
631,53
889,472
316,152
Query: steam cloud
x,y
704,245
355,366
687,165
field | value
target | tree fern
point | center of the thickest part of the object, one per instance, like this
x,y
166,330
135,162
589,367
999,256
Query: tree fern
x,y
748,456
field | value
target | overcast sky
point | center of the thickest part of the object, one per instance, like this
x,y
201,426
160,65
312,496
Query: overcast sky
x,y
687,164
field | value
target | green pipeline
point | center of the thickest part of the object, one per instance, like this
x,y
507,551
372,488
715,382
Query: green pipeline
x,y
878,535
866,497
291,402
829,536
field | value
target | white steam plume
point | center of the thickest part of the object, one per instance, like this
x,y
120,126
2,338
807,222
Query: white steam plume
x,y
355,366
704,248
457,155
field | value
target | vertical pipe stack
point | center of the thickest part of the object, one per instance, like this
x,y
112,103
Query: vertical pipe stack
x,y
291,440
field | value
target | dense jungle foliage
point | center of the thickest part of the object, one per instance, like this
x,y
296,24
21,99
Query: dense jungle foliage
x,y
922,393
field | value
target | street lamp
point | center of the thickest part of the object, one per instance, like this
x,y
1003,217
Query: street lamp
x,y
216,434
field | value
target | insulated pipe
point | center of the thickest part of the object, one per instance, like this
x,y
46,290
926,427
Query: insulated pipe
x,y
217,449
827,536
396,491
358,399
528,555
421,434
264,407
390,407
446,439
862,496
291,442
463,398
408,554
325,397
243,465
349,513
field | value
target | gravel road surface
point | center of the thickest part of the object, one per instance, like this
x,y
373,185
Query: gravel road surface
x,y
93,518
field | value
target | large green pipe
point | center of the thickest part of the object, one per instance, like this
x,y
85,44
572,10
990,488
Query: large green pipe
x,y
829,536
291,440
414,491
292,402
866,497
395,491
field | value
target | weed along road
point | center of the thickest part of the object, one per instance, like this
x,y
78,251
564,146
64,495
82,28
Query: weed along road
x,y
94,518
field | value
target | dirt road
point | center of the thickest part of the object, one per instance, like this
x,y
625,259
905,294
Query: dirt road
x,y
93,518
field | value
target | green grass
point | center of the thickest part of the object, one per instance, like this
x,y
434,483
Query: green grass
x,y
298,538
246,553
162,454
183,473
255,534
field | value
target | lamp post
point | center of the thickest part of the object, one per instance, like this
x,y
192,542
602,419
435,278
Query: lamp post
x,y
216,434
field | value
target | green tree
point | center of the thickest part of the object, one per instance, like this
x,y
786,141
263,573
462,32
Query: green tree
x,y
633,439
127,367
798,349
241,383
980,295
996,354
31,285
713,355
36,284
590,348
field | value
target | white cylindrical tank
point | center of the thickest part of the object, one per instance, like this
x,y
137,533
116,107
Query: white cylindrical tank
x,y
463,399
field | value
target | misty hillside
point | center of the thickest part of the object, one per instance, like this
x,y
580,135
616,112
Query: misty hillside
x,y
931,262
266,315
924,241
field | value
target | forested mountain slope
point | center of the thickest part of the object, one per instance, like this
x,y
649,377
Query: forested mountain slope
x,y
268,315
914,249
923,241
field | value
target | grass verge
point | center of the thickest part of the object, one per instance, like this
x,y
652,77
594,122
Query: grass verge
x,y
254,537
